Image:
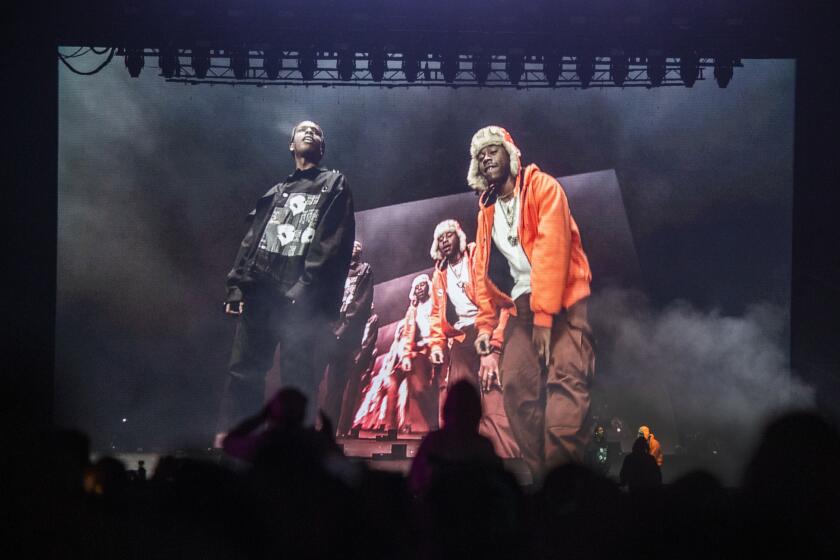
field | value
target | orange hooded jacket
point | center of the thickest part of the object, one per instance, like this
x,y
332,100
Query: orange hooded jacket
x,y
441,329
653,445
560,274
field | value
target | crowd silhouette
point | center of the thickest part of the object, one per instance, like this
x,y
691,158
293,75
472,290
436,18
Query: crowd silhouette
x,y
291,493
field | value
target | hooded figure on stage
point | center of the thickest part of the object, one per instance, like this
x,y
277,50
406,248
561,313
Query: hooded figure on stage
x,y
653,444
453,329
420,412
344,368
287,281
403,394
529,254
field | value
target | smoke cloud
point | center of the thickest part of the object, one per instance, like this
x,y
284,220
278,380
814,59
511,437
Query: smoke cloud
x,y
726,375
155,179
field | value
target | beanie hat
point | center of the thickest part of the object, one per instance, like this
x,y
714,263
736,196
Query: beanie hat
x,y
444,227
490,136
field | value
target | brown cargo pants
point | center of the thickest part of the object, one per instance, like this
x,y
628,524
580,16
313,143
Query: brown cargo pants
x,y
464,363
547,406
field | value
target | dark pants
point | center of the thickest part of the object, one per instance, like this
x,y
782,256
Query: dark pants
x,y
269,324
350,399
331,394
464,363
338,394
548,406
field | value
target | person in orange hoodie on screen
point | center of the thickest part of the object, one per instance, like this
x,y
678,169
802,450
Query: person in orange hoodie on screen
x,y
420,409
453,332
529,252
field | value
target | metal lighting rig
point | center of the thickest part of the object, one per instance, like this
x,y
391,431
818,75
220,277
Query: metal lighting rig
x,y
403,43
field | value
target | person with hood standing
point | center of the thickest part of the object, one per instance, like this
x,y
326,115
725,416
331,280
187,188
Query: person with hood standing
x,y
653,444
419,408
529,253
453,332
349,330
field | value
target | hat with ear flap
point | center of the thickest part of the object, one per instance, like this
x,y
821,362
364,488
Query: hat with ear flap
x,y
444,227
417,280
491,136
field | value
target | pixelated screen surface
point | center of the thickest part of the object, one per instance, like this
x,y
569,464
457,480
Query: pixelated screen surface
x,y
682,195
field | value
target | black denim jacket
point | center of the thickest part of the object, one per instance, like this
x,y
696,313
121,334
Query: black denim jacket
x,y
299,242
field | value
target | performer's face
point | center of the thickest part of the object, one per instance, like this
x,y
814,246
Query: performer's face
x,y
448,244
421,291
308,140
494,164
357,251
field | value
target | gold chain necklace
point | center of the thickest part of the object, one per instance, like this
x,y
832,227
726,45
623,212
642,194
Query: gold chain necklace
x,y
458,274
510,218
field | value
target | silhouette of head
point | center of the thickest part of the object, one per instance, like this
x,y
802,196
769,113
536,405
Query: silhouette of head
x,y
462,410
287,408
797,459
640,445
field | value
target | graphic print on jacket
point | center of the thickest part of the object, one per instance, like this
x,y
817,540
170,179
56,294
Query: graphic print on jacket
x,y
291,228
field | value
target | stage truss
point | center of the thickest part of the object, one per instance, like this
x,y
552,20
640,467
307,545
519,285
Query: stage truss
x,y
381,69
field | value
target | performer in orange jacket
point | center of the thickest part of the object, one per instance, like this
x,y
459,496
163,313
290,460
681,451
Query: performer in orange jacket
x,y
653,444
418,405
529,251
454,301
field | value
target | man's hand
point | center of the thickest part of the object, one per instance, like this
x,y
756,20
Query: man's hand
x,y
541,337
405,364
436,356
234,307
482,344
488,373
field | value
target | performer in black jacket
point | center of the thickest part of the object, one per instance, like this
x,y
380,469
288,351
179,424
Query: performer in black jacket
x,y
349,330
287,281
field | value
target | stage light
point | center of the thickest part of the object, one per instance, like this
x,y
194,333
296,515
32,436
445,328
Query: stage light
x,y
168,62
514,67
724,69
346,64
585,69
689,69
449,67
200,62
551,68
656,69
619,69
410,66
377,63
134,61
272,63
481,68
307,64
240,63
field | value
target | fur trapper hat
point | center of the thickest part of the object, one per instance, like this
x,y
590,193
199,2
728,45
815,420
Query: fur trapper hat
x,y
489,136
417,280
444,227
